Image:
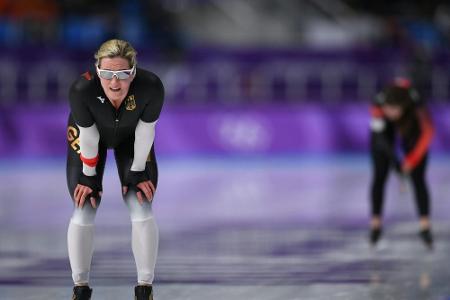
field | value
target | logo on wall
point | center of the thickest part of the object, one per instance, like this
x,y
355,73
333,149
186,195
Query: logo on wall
x,y
244,133
74,140
130,103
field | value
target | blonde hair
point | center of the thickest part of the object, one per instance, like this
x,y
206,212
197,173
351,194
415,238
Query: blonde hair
x,y
116,48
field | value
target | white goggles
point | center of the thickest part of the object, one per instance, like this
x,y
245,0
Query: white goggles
x,y
121,74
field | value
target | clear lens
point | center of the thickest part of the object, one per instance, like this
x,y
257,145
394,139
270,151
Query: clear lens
x,y
107,74
123,74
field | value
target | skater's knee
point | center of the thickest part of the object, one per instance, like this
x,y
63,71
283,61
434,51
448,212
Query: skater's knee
x,y
84,215
138,211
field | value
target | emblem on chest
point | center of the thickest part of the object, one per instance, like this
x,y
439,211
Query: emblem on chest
x,y
130,103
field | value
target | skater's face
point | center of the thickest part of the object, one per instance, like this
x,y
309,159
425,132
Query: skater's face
x,y
392,112
117,86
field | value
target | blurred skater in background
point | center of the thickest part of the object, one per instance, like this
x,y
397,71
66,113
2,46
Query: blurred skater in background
x,y
398,114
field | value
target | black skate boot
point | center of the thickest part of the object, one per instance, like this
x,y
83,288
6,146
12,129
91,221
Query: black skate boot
x,y
375,235
143,292
81,293
427,238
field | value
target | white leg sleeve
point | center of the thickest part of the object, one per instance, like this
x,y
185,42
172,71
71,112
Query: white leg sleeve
x,y
80,243
144,239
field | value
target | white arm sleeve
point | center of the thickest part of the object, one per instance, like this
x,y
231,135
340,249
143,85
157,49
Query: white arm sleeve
x,y
144,137
89,138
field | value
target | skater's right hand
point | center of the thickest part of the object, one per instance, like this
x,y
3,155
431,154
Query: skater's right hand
x,y
88,187
407,169
80,194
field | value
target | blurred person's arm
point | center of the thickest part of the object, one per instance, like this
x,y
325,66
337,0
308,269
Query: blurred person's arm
x,y
379,141
414,157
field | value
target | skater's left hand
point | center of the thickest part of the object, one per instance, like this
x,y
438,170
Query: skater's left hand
x,y
145,187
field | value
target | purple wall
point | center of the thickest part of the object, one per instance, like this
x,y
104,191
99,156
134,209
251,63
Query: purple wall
x,y
309,128
227,76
